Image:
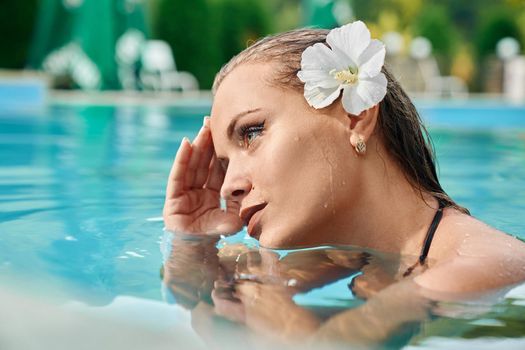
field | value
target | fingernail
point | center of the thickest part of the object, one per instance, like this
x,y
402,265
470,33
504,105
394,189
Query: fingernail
x,y
206,121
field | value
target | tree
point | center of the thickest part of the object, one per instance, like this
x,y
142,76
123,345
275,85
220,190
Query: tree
x,y
497,24
434,24
17,20
240,23
188,27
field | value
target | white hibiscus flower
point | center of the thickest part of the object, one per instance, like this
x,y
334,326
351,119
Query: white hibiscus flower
x,y
352,64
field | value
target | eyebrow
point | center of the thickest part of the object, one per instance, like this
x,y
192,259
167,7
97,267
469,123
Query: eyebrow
x,y
231,126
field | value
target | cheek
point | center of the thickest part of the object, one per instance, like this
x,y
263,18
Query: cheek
x,y
292,160
330,182
302,171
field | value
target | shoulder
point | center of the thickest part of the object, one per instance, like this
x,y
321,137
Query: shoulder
x,y
471,256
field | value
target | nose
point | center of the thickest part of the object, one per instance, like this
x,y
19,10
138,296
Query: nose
x,y
236,184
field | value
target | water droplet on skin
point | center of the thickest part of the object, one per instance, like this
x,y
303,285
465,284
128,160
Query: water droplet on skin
x,y
325,205
296,138
343,183
332,197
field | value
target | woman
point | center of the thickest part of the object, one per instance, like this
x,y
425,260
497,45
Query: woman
x,y
311,142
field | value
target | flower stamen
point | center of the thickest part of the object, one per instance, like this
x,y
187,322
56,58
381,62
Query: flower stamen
x,y
347,76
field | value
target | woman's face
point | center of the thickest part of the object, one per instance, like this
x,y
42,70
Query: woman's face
x,y
289,166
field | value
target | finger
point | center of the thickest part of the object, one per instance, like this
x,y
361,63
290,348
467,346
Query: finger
x,y
247,291
203,167
216,175
197,148
233,207
231,309
176,180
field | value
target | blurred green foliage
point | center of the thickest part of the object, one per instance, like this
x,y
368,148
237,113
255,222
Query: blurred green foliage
x,y
17,20
188,27
497,23
434,23
204,34
454,27
239,23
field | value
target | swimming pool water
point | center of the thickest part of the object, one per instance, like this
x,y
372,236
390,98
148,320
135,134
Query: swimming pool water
x,y
82,187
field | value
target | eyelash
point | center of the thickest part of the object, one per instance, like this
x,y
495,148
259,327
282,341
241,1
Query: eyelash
x,y
246,130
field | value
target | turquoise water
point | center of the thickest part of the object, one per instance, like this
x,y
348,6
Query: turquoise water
x,y
82,187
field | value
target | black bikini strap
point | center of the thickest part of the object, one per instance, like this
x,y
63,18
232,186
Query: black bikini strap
x,y
428,240
430,234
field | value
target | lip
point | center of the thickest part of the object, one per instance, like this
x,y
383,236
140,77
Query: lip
x,y
251,218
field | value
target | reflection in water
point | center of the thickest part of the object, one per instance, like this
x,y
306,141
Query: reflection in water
x,y
258,297
77,183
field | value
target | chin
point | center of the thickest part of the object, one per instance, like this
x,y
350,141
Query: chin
x,y
271,240
274,239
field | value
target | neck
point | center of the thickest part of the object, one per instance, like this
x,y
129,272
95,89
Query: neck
x,y
389,214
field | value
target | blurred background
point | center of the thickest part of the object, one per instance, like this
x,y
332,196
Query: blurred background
x,y
446,48
96,96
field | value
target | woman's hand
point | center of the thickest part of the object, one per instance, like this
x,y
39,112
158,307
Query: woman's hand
x,y
192,203
191,270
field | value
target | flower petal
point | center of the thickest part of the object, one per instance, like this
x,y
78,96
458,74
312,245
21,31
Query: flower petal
x,y
320,78
352,39
372,59
372,90
352,102
319,98
319,57
344,61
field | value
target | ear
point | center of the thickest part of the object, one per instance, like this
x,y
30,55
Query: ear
x,y
363,125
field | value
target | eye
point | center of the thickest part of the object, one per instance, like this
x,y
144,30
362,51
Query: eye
x,y
248,133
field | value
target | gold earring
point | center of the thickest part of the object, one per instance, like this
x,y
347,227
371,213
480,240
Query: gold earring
x,y
360,147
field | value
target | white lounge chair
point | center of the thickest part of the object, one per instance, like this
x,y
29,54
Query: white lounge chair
x,y
436,85
159,72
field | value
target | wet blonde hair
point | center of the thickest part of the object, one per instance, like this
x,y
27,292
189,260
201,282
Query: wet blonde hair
x,y
399,124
